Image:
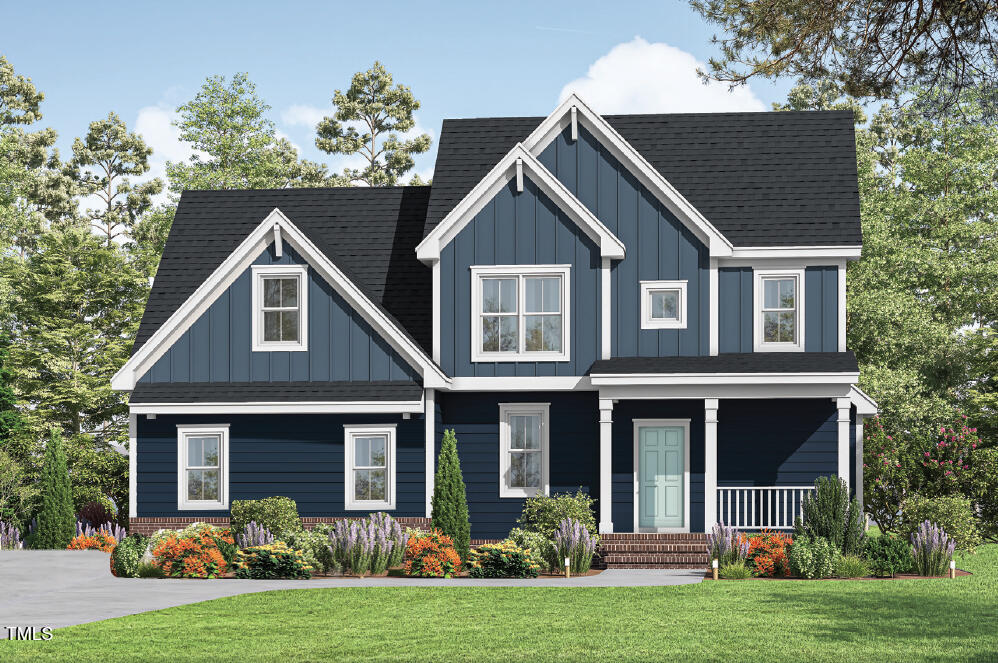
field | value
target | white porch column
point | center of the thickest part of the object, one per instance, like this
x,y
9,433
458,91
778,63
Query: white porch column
x,y
430,436
843,406
605,470
859,459
133,465
710,463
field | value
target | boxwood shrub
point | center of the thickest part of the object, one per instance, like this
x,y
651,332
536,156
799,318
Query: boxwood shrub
x,y
888,555
954,513
278,514
126,555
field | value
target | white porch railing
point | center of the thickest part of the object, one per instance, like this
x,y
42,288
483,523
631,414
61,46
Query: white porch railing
x,y
757,507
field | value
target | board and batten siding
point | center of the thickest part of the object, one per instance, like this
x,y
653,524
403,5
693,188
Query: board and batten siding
x,y
519,228
341,345
821,309
658,247
299,456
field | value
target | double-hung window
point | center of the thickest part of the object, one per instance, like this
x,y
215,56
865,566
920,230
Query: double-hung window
x,y
523,449
520,313
203,467
370,466
779,310
280,302
663,304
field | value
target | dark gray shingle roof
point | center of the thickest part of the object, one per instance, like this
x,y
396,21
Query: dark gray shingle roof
x,y
741,362
274,392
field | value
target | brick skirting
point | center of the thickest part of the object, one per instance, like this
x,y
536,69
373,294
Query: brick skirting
x,y
151,525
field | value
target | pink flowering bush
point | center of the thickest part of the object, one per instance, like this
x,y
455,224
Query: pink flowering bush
x,y
947,463
887,474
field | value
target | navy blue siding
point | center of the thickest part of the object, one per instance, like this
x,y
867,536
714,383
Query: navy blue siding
x,y
821,303
519,228
299,456
734,311
574,440
658,245
341,345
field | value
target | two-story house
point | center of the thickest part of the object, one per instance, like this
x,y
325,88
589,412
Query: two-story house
x,y
651,307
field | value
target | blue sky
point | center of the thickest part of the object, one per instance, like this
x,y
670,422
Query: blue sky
x,y
461,59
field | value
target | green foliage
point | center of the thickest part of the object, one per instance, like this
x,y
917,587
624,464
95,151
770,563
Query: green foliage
x,y
18,493
19,98
314,545
887,474
57,519
278,514
812,557
851,566
502,560
450,500
828,513
953,513
541,550
983,488
149,570
544,513
735,571
126,556
888,555
385,113
275,560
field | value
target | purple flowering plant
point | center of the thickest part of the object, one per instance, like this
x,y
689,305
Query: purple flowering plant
x,y
932,549
727,545
572,541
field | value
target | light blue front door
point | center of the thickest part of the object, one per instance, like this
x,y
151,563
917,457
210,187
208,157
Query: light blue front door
x,y
661,488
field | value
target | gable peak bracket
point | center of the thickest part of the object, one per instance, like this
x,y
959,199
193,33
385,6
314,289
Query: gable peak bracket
x,y
278,246
519,174
575,124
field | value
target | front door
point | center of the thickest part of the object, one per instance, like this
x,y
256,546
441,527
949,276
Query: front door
x,y
661,484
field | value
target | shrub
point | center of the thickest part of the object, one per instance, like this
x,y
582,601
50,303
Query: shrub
x,y
99,540
953,513
947,464
199,551
888,555
502,560
828,513
932,550
314,545
254,535
274,560
544,514
431,556
96,515
886,474
572,541
149,570
735,571
10,537
851,566
56,520
370,545
812,557
767,553
726,545
984,489
126,556
538,546
277,514
450,500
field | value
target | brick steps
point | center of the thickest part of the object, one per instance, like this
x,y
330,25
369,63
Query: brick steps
x,y
653,551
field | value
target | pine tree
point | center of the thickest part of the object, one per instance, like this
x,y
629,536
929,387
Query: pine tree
x,y
450,501
56,520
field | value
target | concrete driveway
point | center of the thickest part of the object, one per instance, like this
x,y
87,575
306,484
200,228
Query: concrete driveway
x,y
64,587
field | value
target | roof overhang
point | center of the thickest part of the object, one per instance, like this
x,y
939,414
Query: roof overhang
x,y
865,406
627,386
298,407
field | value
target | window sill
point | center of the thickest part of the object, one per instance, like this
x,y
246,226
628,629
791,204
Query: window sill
x,y
509,357
369,506
205,506
275,347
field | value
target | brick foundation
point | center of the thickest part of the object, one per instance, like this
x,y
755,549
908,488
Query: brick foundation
x,y
149,526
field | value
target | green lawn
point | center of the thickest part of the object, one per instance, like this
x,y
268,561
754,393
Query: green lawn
x,y
758,620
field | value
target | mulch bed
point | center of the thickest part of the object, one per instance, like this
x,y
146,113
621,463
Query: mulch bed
x,y
708,575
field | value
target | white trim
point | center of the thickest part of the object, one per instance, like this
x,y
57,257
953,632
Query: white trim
x,y
278,245
605,466
271,271
521,272
710,406
647,288
781,262
610,379
233,266
435,269
714,296
841,271
757,304
654,423
186,431
843,405
865,405
351,430
445,231
846,252
522,383
858,472
637,165
519,175
745,391
505,411
326,407
429,446
575,124
133,466
606,309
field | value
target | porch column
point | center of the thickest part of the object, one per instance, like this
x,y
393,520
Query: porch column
x,y
429,445
859,459
605,460
710,463
843,406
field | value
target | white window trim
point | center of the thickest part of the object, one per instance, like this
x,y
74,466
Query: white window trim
x,y
757,335
505,410
349,431
184,432
270,271
648,322
478,272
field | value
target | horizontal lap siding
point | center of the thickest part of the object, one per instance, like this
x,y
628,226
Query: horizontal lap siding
x,y
341,345
300,457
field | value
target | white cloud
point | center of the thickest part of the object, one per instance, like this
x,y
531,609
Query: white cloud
x,y
303,115
154,124
642,77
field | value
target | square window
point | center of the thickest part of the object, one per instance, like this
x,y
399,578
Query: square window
x,y
663,304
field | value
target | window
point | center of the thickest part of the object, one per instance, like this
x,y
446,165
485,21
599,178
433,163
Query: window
x,y
280,318
203,467
520,313
523,449
779,310
663,304
370,467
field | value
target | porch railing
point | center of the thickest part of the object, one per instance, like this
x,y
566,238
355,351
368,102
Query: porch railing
x,y
757,507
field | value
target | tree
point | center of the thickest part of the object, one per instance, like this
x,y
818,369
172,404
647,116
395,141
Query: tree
x,y
236,145
148,238
450,501
56,520
17,492
879,49
101,164
19,98
385,113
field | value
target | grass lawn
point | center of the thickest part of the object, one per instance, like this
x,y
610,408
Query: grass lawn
x,y
938,620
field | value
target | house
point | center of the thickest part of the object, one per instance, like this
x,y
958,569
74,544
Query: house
x,y
649,307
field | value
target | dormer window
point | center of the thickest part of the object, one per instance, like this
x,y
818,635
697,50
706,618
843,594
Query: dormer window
x,y
280,308
779,311
663,304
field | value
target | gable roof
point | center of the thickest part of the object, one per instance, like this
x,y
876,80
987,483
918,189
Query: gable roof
x,y
761,179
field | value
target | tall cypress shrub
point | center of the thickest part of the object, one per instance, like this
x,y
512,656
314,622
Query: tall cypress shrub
x,y
829,513
56,520
450,501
